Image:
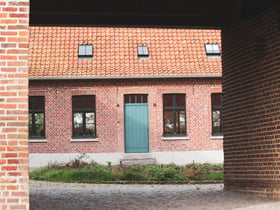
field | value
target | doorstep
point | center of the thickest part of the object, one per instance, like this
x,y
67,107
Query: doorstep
x,y
138,158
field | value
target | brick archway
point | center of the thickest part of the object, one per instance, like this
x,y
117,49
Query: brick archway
x,y
251,105
14,19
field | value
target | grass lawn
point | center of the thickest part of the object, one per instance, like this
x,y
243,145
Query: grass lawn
x,y
81,172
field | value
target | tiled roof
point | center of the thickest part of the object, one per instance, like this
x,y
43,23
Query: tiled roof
x,y
172,52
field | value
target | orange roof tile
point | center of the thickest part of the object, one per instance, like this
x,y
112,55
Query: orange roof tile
x,y
53,52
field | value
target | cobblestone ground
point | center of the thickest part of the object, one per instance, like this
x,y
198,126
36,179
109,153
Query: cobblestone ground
x,y
58,196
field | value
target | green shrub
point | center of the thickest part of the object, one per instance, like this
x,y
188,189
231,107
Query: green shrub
x,y
96,173
213,175
164,173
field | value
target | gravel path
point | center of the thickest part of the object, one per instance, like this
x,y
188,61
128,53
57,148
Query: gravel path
x,y
59,196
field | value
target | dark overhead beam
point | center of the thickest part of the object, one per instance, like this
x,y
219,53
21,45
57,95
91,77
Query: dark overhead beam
x,y
204,13
132,14
153,21
236,11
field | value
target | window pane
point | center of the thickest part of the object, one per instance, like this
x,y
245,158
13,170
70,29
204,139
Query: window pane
x,y
138,99
216,115
217,130
90,129
78,124
90,117
78,118
216,100
216,48
132,98
168,101
39,130
145,50
39,124
216,122
39,118
145,98
168,122
77,102
180,100
126,99
82,49
180,122
212,48
88,50
90,102
208,48
140,50
78,129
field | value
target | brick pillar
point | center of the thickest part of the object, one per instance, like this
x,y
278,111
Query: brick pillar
x,y
14,19
251,85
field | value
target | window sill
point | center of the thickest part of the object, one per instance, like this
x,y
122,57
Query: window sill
x,y
85,140
37,140
217,137
174,138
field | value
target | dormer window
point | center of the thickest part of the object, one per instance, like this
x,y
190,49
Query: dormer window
x,y
143,52
213,50
85,51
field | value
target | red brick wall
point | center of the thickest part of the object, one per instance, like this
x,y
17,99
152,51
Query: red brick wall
x,y
251,54
109,93
13,104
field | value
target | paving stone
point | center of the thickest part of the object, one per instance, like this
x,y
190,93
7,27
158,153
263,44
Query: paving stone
x,y
63,196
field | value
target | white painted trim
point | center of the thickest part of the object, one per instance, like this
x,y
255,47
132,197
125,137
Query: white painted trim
x,y
217,137
174,138
37,140
84,140
37,160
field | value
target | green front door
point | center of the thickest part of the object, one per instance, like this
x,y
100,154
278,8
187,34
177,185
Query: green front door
x,y
136,127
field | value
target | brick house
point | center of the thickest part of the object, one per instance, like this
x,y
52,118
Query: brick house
x,y
117,93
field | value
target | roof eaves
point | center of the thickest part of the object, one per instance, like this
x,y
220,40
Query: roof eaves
x,y
130,77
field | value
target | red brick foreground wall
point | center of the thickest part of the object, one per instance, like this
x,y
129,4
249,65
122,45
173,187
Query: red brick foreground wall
x,y
14,21
110,117
251,85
